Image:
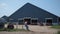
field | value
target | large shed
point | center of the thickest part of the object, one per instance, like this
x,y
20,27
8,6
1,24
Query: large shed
x,y
33,15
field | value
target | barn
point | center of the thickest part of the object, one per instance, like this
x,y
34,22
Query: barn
x,y
33,15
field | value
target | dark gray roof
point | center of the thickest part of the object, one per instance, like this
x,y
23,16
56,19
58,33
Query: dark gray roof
x,y
2,20
30,10
4,17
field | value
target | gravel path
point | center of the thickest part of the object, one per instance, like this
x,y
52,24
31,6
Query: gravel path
x,y
43,29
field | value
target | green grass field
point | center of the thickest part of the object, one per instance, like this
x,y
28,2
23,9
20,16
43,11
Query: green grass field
x,y
12,30
56,27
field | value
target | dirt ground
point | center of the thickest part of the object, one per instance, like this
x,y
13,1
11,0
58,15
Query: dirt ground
x,y
35,29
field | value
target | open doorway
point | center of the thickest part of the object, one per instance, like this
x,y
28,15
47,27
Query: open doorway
x,y
59,21
49,22
28,21
34,22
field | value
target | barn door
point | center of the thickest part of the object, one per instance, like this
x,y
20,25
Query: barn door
x,y
34,22
49,22
28,21
59,21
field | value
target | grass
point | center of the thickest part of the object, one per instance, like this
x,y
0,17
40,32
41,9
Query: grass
x,y
58,32
56,27
2,29
12,30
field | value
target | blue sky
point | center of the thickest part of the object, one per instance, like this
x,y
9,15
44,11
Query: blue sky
x,y
8,7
